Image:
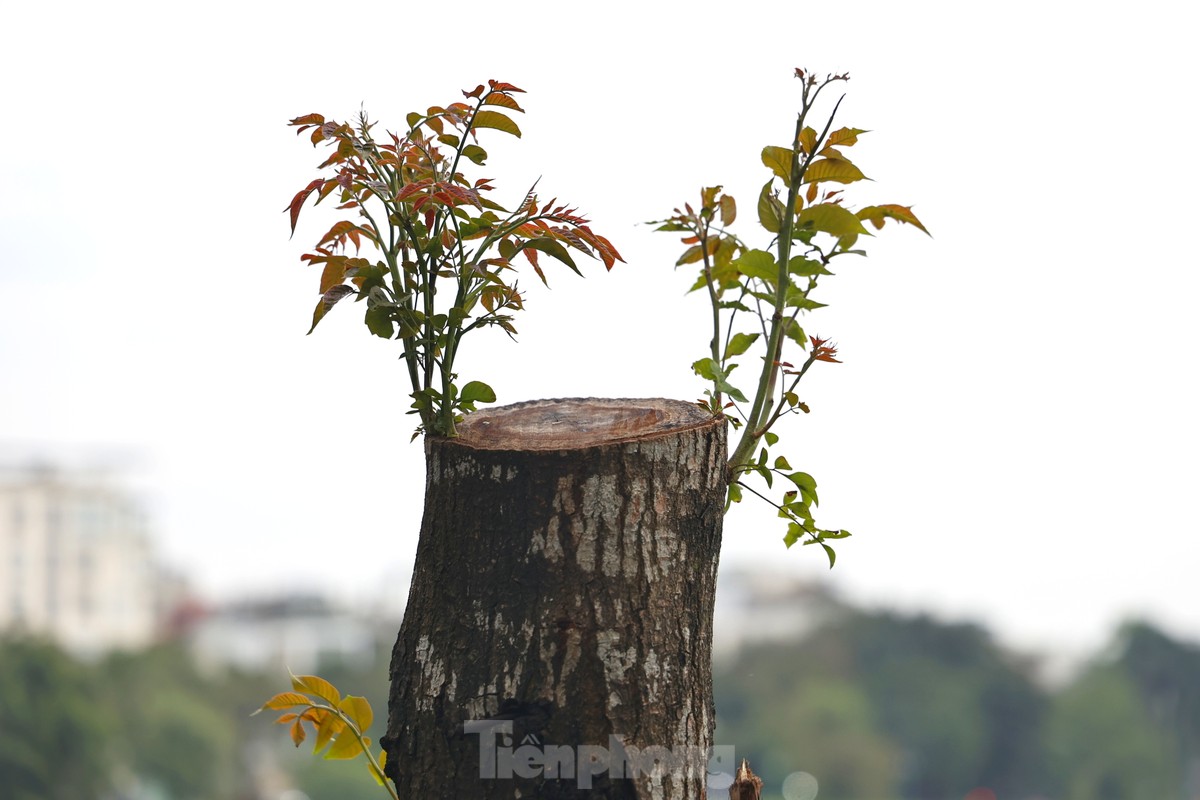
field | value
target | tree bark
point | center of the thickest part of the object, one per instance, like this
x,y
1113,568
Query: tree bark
x,y
558,635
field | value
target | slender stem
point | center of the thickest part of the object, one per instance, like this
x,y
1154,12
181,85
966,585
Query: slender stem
x,y
757,422
714,300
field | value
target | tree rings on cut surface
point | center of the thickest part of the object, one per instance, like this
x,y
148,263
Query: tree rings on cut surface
x,y
577,422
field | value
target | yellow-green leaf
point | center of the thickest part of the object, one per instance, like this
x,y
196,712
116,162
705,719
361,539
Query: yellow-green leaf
x,y
318,686
728,210
770,210
836,170
807,140
739,343
778,160
877,215
758,264
346,746
844,136
833,219
500,99
357,708
497,121
377,774
330,726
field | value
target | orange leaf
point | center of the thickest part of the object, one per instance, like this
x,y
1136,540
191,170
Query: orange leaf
x,y
285,700
297,733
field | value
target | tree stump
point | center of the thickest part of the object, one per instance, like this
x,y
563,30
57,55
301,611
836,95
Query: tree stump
x,y
558,635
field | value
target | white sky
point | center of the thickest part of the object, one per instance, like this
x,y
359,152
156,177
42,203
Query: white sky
x,y
1012,436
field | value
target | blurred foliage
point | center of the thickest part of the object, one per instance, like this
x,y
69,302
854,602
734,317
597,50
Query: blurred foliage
x,y
873,705
53,735
880,705
148,724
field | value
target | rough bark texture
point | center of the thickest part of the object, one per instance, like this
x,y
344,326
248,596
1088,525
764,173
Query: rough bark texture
x,y
563,589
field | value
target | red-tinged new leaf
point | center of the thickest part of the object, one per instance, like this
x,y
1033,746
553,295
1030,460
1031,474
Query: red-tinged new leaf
x,y
307,120
340,232
532,257
298,201
498,86
503,100
496,121
412,188
608,253
878,214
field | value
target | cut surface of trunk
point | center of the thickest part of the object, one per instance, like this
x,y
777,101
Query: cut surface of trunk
x,y
558,635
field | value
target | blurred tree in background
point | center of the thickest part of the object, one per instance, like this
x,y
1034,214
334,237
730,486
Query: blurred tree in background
x,y
53,735
873,705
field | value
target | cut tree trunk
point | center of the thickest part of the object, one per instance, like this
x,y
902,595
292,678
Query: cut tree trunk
x,y
558,635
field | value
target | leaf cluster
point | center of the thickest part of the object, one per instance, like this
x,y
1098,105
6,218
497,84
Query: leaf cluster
x,y
758,296
442,252
338,723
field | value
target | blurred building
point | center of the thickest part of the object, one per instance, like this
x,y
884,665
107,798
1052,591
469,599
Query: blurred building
x,y
756,606
303,633
76,562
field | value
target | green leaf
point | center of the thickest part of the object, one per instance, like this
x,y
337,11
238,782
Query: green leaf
x,y
770,210
772,438
794,532
833,219
739,344
553,248
807,486
496,121
806,267
379,322
475,153
779,161
477,392
829,552
707,368
758,264
782,463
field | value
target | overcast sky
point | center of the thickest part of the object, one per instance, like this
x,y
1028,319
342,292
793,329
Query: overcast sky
x,y
1012,435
